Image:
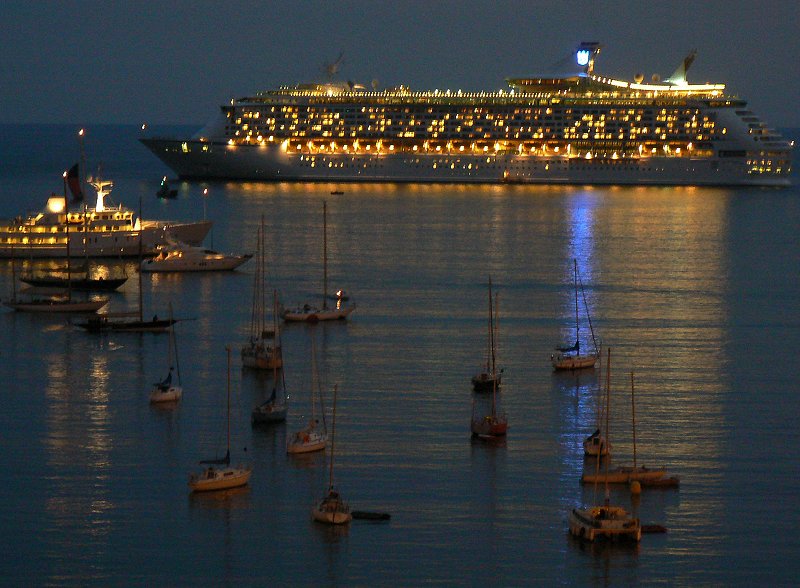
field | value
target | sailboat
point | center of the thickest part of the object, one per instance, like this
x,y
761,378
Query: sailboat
x,y
570,357
637,473
309,312
489,378
166,390
492,426
129,322
332,509
311,438
604,521
596,444
221,478
58,303
274,409
262,350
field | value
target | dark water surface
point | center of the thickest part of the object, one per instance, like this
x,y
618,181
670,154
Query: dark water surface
x,y
696,290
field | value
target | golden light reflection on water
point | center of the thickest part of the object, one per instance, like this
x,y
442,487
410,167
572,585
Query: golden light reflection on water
x,y
655,285
655,264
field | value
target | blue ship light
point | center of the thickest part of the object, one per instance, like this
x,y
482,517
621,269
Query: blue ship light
x,y
582,56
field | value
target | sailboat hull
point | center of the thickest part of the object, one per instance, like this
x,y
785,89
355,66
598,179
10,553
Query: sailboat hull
x,y
170,394
485,382
306,441
489,427
82,284
313,315
101,324
261,356
332,510
56,306
573,362
624,475
297,448
604,522
269,412
219,479
592,448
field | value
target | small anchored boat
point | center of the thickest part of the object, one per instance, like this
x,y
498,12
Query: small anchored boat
x,y
227,476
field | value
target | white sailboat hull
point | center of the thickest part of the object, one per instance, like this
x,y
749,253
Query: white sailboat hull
x,y
219,479
306,441
604,522
595,446
313,315
332,511
171,394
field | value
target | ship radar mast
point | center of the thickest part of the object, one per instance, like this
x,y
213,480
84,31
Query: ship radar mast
x,y
584,55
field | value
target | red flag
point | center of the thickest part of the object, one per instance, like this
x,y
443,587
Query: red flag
x,y
74,183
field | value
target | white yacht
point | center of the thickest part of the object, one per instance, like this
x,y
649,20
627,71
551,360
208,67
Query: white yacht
x,y
175,256
101,230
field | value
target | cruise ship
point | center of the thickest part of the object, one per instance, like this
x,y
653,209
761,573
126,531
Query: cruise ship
x,y
576,127
101,230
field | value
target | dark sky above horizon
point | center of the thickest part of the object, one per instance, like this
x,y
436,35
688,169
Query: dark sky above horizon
x,y
92,62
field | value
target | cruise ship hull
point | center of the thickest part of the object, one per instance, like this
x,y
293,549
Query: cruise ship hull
x,y
196,160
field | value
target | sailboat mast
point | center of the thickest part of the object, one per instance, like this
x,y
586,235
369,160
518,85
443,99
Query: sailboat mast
x,y
69,257
494,369
588,316
174,345
255,326
633,422
228,349
575,280
490,351
333,436
608,410
141,228
276,342
324,254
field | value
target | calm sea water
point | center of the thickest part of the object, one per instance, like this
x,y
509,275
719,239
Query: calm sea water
x,y
696,291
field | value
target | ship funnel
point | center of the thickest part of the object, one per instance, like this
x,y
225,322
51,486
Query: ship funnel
x,y
584,55
678,77
103,188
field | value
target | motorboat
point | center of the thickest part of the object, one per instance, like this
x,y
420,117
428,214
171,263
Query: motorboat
x,y
175,256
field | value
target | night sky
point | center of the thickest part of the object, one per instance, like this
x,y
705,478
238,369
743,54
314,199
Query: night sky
x,y
91,62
